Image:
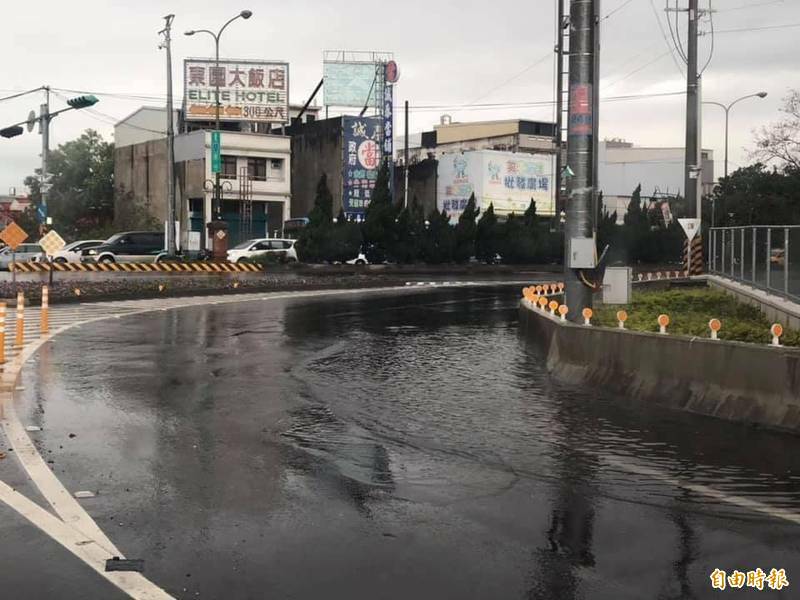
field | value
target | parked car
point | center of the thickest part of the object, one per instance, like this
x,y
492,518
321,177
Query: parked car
x,y
129,246
777,256
24,253
361,259
71,253
253,249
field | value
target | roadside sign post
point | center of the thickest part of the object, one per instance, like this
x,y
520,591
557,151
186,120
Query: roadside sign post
x,y
13,235
690,228
216,152
51,243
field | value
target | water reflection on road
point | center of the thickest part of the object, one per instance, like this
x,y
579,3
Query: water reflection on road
x,y
393,446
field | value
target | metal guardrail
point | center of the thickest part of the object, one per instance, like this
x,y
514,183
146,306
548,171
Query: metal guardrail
x,y
762,256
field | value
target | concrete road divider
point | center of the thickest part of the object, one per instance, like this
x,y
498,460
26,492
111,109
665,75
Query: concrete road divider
x,y
159,267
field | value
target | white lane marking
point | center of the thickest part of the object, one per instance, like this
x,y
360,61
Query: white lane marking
x,y
746,503
133,584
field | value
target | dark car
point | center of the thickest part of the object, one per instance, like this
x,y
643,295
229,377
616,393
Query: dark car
x,y
129,246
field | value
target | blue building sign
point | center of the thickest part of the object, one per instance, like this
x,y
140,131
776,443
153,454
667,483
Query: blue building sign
x,y
362,158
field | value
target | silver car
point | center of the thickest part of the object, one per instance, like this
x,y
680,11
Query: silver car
x,y
24,253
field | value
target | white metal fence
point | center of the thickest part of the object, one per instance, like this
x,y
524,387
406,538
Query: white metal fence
x,y
766,257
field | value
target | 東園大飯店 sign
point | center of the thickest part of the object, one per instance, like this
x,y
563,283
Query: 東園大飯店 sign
x,y
248,90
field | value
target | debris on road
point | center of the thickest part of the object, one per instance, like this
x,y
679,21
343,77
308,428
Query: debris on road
x,y
125,564
33,428
84,494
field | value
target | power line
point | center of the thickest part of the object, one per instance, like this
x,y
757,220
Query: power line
x,y
638,69
764,28
21,94
664,36
616,10
534,104
518,75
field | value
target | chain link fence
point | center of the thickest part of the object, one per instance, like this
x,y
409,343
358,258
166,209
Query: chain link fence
x,y
766,257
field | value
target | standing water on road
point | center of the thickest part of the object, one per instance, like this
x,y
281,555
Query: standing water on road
x,y
404,445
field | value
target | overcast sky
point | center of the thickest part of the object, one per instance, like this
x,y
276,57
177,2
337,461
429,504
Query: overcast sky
x,y
450,53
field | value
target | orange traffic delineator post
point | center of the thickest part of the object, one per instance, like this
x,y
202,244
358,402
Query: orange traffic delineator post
x,y
777,331
714,325
587,315
663,321
563,310
19,340
2,333
553,306
44,325
622,316
543,302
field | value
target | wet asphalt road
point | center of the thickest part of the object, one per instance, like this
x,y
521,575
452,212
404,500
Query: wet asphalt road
x,y
385,446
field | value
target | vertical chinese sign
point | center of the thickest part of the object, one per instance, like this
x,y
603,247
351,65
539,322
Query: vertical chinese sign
x,y
248,90
362,158
388,131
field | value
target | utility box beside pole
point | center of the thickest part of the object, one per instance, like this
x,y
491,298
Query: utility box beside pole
x,y
617,285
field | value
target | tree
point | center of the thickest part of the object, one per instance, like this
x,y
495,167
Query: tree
x,y
487,243
81,196
465,232
438,239
780,142
314,241
344,240
756,195
380,231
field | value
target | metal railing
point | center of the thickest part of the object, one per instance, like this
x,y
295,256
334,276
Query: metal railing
x,y
763,256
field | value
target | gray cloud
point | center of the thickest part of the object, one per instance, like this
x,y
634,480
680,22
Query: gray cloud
x,y
450,53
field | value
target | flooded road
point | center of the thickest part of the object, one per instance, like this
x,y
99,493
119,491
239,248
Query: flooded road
x,y
395,446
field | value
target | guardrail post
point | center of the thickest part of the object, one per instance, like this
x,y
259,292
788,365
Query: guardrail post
x,y
755,238
769,254
733,254
2,333
722,254
19,339
742,268
44,323
713,253
786,263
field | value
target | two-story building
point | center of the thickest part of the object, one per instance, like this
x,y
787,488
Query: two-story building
x,y
255,175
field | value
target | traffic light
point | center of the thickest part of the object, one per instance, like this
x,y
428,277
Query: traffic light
x,y
83,101
12,131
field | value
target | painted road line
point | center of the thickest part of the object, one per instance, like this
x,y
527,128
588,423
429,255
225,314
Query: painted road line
x,y
739,501
134,584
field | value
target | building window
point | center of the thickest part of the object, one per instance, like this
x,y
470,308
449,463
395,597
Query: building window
x,y
196,205
276,169
257,169
228,167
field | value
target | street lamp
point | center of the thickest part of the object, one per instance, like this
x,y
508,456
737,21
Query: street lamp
x,y
727,110
245,14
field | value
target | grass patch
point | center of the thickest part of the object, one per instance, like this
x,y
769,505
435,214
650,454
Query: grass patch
x,y
690,310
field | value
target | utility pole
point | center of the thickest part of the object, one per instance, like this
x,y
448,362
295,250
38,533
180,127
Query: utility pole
x,y
562,26
405,160
167,45
580,252
693,162
44,129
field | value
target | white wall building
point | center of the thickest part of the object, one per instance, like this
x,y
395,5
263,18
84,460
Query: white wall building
x,y
660,171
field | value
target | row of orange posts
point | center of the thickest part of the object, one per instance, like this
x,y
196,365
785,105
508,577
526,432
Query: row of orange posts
x,y
538,297
19,333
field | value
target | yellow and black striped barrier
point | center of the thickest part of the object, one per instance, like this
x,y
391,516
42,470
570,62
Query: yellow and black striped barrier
x,y
159,267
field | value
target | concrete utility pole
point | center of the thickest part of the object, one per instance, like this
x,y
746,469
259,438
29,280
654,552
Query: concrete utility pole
x,y
693,160
580,252
405,160
167,45
44,129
